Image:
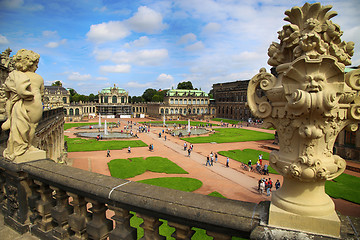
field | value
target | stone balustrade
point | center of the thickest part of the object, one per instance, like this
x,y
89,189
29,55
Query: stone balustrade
x,y
55,201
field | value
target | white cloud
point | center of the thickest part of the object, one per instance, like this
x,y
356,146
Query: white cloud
x,y
138,85
151,57
195,47
50,33
15,4
121,68
55,44
146,20
110,31
76,76
211,28
102,54
141,42
102,78
164,79
3,39
190,37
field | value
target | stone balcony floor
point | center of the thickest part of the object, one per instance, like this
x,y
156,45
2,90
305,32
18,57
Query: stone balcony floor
x,y
6,233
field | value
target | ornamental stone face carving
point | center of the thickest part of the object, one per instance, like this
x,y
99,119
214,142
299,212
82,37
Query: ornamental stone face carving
x,y
309,102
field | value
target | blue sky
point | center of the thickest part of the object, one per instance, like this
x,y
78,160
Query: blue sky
x,y
90,44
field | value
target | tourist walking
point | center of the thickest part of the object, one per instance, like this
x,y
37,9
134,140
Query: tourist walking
x,y
185,146
129,149
189,151
165,137
108,153
262,186
207,161
277,184
216,157
227,162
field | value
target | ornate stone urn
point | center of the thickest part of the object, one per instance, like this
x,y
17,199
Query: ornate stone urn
x,y
309,102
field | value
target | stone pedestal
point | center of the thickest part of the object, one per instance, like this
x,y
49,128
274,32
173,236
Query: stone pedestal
x,y
322,225
30,156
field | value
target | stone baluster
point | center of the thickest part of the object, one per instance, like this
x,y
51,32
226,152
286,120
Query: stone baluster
x,y
218,236
151,228
99,226
79,218
182,232
60,214
2,190
122,230
32,200
44,206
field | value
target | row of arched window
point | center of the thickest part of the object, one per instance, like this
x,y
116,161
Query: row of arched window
x,y
76,111
114,99
190,101
140,109
185,111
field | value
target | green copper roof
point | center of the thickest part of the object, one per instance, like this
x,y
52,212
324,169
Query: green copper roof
x,y
185,92
108,90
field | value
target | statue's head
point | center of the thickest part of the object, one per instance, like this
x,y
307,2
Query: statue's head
x,y
26,60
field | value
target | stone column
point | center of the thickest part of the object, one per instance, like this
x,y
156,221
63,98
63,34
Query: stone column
x,y
309,102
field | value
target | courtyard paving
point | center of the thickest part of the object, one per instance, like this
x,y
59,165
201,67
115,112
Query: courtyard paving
x,y
233,182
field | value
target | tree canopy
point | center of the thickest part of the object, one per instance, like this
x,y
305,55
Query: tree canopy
x,y
57,83
185,85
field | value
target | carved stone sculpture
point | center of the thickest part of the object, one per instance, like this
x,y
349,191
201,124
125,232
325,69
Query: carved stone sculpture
x,y
24,90
309,103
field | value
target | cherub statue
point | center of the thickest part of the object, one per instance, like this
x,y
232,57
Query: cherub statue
x,y
24,90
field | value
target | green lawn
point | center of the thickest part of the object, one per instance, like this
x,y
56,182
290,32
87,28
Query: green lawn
x,y
70,125
345,186
230,121
127,168
224,135
171,123
179,183
216,194
86,145
245,155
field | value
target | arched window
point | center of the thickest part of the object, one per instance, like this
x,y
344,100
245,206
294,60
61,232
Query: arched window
x,y
171,101
137,109
202,111
114,99
171,111
133,109
77,112
176,111
189,110
162,111
64,99
180,110
181,101
185,111
206,101
202,101
185,101
106,99
65,111
94,109
122,99
166,111
176,101
213,111
198,101
194,101
198,111
194,110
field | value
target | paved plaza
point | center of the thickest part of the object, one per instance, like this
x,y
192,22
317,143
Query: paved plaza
x,y
233,182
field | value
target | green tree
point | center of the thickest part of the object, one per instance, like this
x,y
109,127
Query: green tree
x,y
135,99
57,83
211,93
185,85
148,94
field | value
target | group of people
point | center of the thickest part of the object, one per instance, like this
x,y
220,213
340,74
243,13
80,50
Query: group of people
x,y
265,185
151,147
210,159
188,149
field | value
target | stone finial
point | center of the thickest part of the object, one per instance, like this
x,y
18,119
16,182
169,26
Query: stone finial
x,y
310,33
309,102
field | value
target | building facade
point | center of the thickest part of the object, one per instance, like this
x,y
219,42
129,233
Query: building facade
x,y
182,103
230,100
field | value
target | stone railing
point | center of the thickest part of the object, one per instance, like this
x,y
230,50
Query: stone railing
x,y
55,201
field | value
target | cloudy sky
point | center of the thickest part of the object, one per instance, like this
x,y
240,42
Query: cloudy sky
x,y
92,44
